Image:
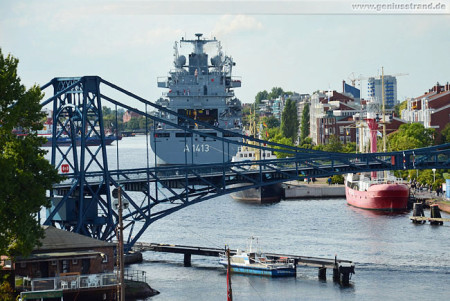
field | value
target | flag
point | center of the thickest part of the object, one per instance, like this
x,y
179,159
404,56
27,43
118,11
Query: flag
x,y
267,134
264,124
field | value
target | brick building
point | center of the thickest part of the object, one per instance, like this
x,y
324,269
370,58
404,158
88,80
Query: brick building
x,y
66,252
128,115
68,265
331,113
432,109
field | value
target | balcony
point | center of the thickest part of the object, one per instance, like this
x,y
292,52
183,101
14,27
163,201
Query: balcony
x,y
69,282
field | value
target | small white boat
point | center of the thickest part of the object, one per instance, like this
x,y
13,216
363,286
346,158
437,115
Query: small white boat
x,y
256,263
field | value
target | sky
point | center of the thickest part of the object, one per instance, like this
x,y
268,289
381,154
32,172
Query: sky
x,y
301,46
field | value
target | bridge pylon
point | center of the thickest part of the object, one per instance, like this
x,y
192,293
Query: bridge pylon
x,y
78,147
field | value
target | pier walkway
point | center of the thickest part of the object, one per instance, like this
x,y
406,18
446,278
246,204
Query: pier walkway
x,y
341,268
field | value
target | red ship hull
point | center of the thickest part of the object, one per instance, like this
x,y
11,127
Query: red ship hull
x,y
388,197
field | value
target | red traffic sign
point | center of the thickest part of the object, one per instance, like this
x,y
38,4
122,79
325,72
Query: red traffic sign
x,y
65,168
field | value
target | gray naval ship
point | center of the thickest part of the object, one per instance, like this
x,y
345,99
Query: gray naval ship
x,y
201,89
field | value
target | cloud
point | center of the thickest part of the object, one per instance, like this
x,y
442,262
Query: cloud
x,y
234,24
156,35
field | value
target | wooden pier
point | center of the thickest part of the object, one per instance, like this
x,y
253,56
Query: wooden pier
x,y
424,219
342,269
435,215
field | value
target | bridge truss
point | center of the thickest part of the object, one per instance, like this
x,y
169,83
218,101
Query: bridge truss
x,y
82,203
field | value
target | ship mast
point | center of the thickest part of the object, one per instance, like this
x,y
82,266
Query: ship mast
x,y
384,113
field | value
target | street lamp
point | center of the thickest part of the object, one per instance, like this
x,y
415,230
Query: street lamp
x,y
434,175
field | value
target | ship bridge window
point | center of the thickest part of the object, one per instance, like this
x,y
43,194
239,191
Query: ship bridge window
x,y
230,135
162,135
206,115
183,135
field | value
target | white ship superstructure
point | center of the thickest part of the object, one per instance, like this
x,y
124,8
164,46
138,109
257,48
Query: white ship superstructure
x,y
200,87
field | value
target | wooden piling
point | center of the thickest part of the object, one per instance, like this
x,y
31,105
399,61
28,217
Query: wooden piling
x,y
418,212
336,274
323,273
187,260
435,213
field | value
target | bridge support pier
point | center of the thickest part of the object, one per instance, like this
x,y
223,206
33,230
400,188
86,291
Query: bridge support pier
x,y
187,260
323,273
336,274
341,273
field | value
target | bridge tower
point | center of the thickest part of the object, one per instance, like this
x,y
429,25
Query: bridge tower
x,y
77,121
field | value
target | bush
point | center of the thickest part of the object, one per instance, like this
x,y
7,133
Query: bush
x,y
337,179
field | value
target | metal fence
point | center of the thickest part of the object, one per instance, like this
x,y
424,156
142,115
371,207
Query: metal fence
x,y
74,282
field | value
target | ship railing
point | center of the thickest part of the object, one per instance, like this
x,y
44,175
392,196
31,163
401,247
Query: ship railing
x,y
388,180
236,81
135,275
163,82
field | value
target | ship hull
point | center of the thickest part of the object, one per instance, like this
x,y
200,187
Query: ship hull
x,y
171,151
261,195
276,272
386,197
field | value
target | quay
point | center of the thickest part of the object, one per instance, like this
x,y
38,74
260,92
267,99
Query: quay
x,y
342,269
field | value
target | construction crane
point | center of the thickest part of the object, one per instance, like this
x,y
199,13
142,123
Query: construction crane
x,y
353,78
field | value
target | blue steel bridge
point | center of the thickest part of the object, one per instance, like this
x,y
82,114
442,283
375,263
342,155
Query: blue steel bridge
x,y
83,202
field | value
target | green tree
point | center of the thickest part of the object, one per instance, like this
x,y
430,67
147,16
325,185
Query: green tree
x,y
276,136
306,143
25,173
133,124
276,92
333,145
399,107
337,179
304,129
261,95
271,122
289,120
349,147
409,136
446,134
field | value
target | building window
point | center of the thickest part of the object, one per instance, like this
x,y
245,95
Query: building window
x,y
341,138
54,262
104,258
348,138
65,266
341,130
74,261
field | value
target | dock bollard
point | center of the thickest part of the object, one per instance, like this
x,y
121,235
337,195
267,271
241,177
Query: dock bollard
x,y
418,211
435,213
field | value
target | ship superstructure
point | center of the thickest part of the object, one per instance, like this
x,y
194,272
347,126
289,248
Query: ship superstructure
x,y
200,87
